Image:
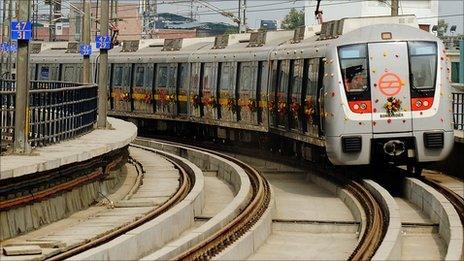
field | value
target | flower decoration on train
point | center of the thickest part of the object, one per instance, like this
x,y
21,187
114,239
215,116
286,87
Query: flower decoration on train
x,y
170,98
282,107
232,105
295,109
141,95
196,101
211,101
271,106
121,95
252,105
392,106
309,107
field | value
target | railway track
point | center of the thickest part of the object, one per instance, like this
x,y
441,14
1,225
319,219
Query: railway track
x,y
377,218
183,189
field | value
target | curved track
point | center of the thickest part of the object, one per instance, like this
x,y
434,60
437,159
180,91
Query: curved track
x,y
376,223
181,193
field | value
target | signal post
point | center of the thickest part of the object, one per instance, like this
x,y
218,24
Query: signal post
x,y
22,31
102,44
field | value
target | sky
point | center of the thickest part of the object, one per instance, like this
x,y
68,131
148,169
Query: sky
x,y
266,9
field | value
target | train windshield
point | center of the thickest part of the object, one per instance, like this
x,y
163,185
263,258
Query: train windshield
x,y
423,62
353,61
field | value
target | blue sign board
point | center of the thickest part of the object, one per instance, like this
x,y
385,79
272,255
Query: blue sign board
x,y
103,42
7,48
85,49
21,30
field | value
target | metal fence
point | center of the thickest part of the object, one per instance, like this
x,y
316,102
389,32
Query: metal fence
x,y
57,111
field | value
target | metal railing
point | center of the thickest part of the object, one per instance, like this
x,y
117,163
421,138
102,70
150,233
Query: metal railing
x,y
57,111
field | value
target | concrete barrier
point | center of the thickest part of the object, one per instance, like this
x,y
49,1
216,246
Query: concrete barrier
x,y
390,248
31,217
439,210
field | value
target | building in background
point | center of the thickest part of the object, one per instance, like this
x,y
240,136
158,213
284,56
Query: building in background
x,y
425,10
129,22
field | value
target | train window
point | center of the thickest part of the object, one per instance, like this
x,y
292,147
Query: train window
x,y
296,79
117,75
172,76
208,76
225,76
183,75
353,61
68,73
312,82
245,76
44,73
423,61
139,75
283,79
162,76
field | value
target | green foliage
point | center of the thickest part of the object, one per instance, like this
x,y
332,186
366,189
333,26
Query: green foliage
x,y
294,19
442,27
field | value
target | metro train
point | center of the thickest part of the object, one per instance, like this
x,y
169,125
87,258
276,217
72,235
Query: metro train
x,y
366,90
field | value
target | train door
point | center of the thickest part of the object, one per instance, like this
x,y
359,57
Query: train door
x,y
261,90
194,94
33,71
208,90
69,73
390,88
246,90
121,83
295,103
282,94
272,94
163,97
227,99
310,104
142,95
172,89
182,88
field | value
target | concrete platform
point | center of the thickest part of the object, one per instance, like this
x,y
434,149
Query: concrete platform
x,y
93,144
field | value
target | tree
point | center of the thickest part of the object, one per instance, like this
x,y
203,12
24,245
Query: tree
x,y
442,28
293,19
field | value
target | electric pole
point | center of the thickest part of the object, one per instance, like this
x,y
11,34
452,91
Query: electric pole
x,y
4,32
103,69
10,54
21,144
86,40
242,16
191,10
394,7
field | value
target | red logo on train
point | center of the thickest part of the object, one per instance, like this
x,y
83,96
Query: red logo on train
x,y
390,84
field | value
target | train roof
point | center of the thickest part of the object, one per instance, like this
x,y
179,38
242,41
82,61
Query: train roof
x,y
260,45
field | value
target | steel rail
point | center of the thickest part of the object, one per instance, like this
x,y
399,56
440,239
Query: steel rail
x,y
376,223
184,188
227,235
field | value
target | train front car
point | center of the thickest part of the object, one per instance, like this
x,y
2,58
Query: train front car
x,y
387,98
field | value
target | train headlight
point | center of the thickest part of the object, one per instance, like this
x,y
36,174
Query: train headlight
x,y
363,106
426,103
418,103
356,107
